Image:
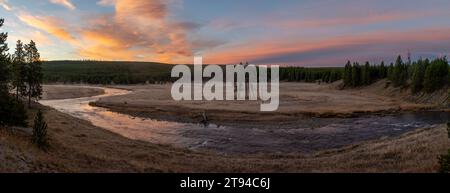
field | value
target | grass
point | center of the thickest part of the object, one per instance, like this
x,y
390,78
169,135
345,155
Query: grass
x,y
77,146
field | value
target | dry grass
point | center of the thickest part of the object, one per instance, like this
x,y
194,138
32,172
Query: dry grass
x,y
54,92
78,146
298,100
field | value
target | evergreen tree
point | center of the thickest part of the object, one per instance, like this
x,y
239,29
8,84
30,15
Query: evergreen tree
x,y
390,72
40,131
4,62
366,79
400,73
19,70
436,75
12,112
418,76
33,73
348,74
356,75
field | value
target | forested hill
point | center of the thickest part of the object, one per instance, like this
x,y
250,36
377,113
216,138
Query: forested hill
x,y
105,72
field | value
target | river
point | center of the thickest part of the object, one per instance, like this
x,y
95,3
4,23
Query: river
x,y
332,133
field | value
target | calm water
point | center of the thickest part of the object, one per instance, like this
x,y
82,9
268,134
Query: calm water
x,y
332,133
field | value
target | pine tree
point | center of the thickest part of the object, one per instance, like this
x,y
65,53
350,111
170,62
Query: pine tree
x,y
390,72
4,62
436,75
33,75
12,111
366,79
40,131
400,73
418,76
19,70
383,70
356,75
348,74
4,77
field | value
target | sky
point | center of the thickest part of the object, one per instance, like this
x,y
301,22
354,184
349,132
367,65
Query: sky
x,y
284,32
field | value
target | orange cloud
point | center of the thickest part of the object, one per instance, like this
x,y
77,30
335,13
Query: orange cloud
x,y
47,24
138,30
66,3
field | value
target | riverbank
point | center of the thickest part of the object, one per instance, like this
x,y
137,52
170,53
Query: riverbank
x,y
298,101
77,146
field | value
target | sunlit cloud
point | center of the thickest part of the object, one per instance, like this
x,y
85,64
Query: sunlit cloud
x,y
5,5
50,25
139,29
106,2
66,3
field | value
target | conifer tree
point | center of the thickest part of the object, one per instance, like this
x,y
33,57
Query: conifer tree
x,y
4,62
19,70
418,76
356,75
40,131
436,75
348,74
33,75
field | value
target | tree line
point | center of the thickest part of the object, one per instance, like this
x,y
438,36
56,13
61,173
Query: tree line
x,y
300,74
116,72
422,75
356,75
20,80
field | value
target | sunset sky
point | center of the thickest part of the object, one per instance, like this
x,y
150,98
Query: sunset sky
x,y
294,32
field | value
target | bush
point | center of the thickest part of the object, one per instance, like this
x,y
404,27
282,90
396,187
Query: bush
x,y
12,112
40,131
444,163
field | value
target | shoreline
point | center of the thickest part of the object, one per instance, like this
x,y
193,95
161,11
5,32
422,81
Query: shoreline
x,y
223,117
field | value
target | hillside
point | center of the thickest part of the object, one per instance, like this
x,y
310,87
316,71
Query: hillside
x,y
102,72
438,98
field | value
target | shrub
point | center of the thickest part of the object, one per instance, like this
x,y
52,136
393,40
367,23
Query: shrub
x,y
444,163
40,131
12,111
